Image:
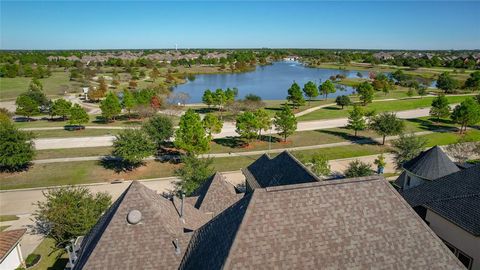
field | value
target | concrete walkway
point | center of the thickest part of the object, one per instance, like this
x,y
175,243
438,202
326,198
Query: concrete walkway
x,y
227,130
246,153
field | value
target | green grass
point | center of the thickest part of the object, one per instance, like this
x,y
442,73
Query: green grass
x,y
52,258
10,88
3,228
94,121
73,152
394,105
449,138
8,218
79,133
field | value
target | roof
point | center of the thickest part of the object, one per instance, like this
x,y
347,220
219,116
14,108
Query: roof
x,y
431,164
340,224
114,243
454,197
284,169
9,240
215,195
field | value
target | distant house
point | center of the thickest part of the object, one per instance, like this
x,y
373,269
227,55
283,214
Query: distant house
x,y
383,56
450,205
283,169
11,256
427,166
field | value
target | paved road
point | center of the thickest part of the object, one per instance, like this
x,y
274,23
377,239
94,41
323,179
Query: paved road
x,y
228,130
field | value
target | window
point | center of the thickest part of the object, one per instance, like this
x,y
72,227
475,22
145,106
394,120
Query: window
x,y
408,180
465,259
462,257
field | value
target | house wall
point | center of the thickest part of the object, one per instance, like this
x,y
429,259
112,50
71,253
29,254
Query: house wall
x,y
12,261
414,180
456,236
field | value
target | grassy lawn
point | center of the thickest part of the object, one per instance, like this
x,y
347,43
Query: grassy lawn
x,y
394,105
73,152
79,133
52,258
10,88
449,138
94,121
3,228
8,218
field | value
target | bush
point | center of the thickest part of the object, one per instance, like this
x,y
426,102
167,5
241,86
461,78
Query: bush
x,y
358,168
32,259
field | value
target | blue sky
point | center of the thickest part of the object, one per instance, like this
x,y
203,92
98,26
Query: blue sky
x,y
372,25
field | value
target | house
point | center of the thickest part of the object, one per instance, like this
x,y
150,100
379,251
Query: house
x,y
287,219
358,223
426,167
284,169
450,205
215,195
141,229
10,250
383,56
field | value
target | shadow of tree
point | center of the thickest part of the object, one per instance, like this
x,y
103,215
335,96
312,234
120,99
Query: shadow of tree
x,y
433,124
206,110
332,108
269,138
59,264
118,165
349,137
231,142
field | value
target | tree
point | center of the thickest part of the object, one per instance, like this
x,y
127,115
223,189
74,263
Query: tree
x,y
446,82
69,212
35,85
366,92
343,101
295,95
318,163
132,146
219,98
380,162
466,114
155,103
194,172
16,148
247,126
440,107
311,91
387,124
263,120
407,147
358,168
128,101
159,128
26,106
78,115
473,82
132,84
285,122
422,90
356,120
207,97
103,87
110,107
326,88
61,107
95,94
154,74
230,95
212,124
190,135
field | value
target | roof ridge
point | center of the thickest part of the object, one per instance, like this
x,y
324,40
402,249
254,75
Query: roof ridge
x,y
302,165
463,196
323,183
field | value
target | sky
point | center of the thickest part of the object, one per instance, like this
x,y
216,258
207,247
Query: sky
x,y
234,24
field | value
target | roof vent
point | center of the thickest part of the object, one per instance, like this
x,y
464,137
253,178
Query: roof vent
x,y
134,217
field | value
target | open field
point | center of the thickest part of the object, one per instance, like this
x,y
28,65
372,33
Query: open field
x,y
10,88
395,105
73,152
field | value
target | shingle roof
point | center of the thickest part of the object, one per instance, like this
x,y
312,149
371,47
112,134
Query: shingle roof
x,y
343,224
215,195
113,243
8,241
455,197
431,164
284,169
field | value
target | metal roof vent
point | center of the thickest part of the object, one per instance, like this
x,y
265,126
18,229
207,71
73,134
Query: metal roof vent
x,y
134,217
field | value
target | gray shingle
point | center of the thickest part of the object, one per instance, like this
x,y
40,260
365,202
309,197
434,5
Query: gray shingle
x,y
346,224
431,164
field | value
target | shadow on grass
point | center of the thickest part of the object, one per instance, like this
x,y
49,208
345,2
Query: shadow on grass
x,y
59,264
118,165
349,137
433,124
206,110
231,142
331,108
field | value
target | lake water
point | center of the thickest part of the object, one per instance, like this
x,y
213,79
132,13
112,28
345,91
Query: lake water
x,y
269,82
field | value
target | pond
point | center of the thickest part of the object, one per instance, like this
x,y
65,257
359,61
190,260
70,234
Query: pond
x,y
270,82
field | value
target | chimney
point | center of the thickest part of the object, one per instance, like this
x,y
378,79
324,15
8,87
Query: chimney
x,y
181,208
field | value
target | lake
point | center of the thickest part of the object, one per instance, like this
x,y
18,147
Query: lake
x,y
270,82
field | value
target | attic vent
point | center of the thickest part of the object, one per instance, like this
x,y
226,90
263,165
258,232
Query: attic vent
x,y
134,217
